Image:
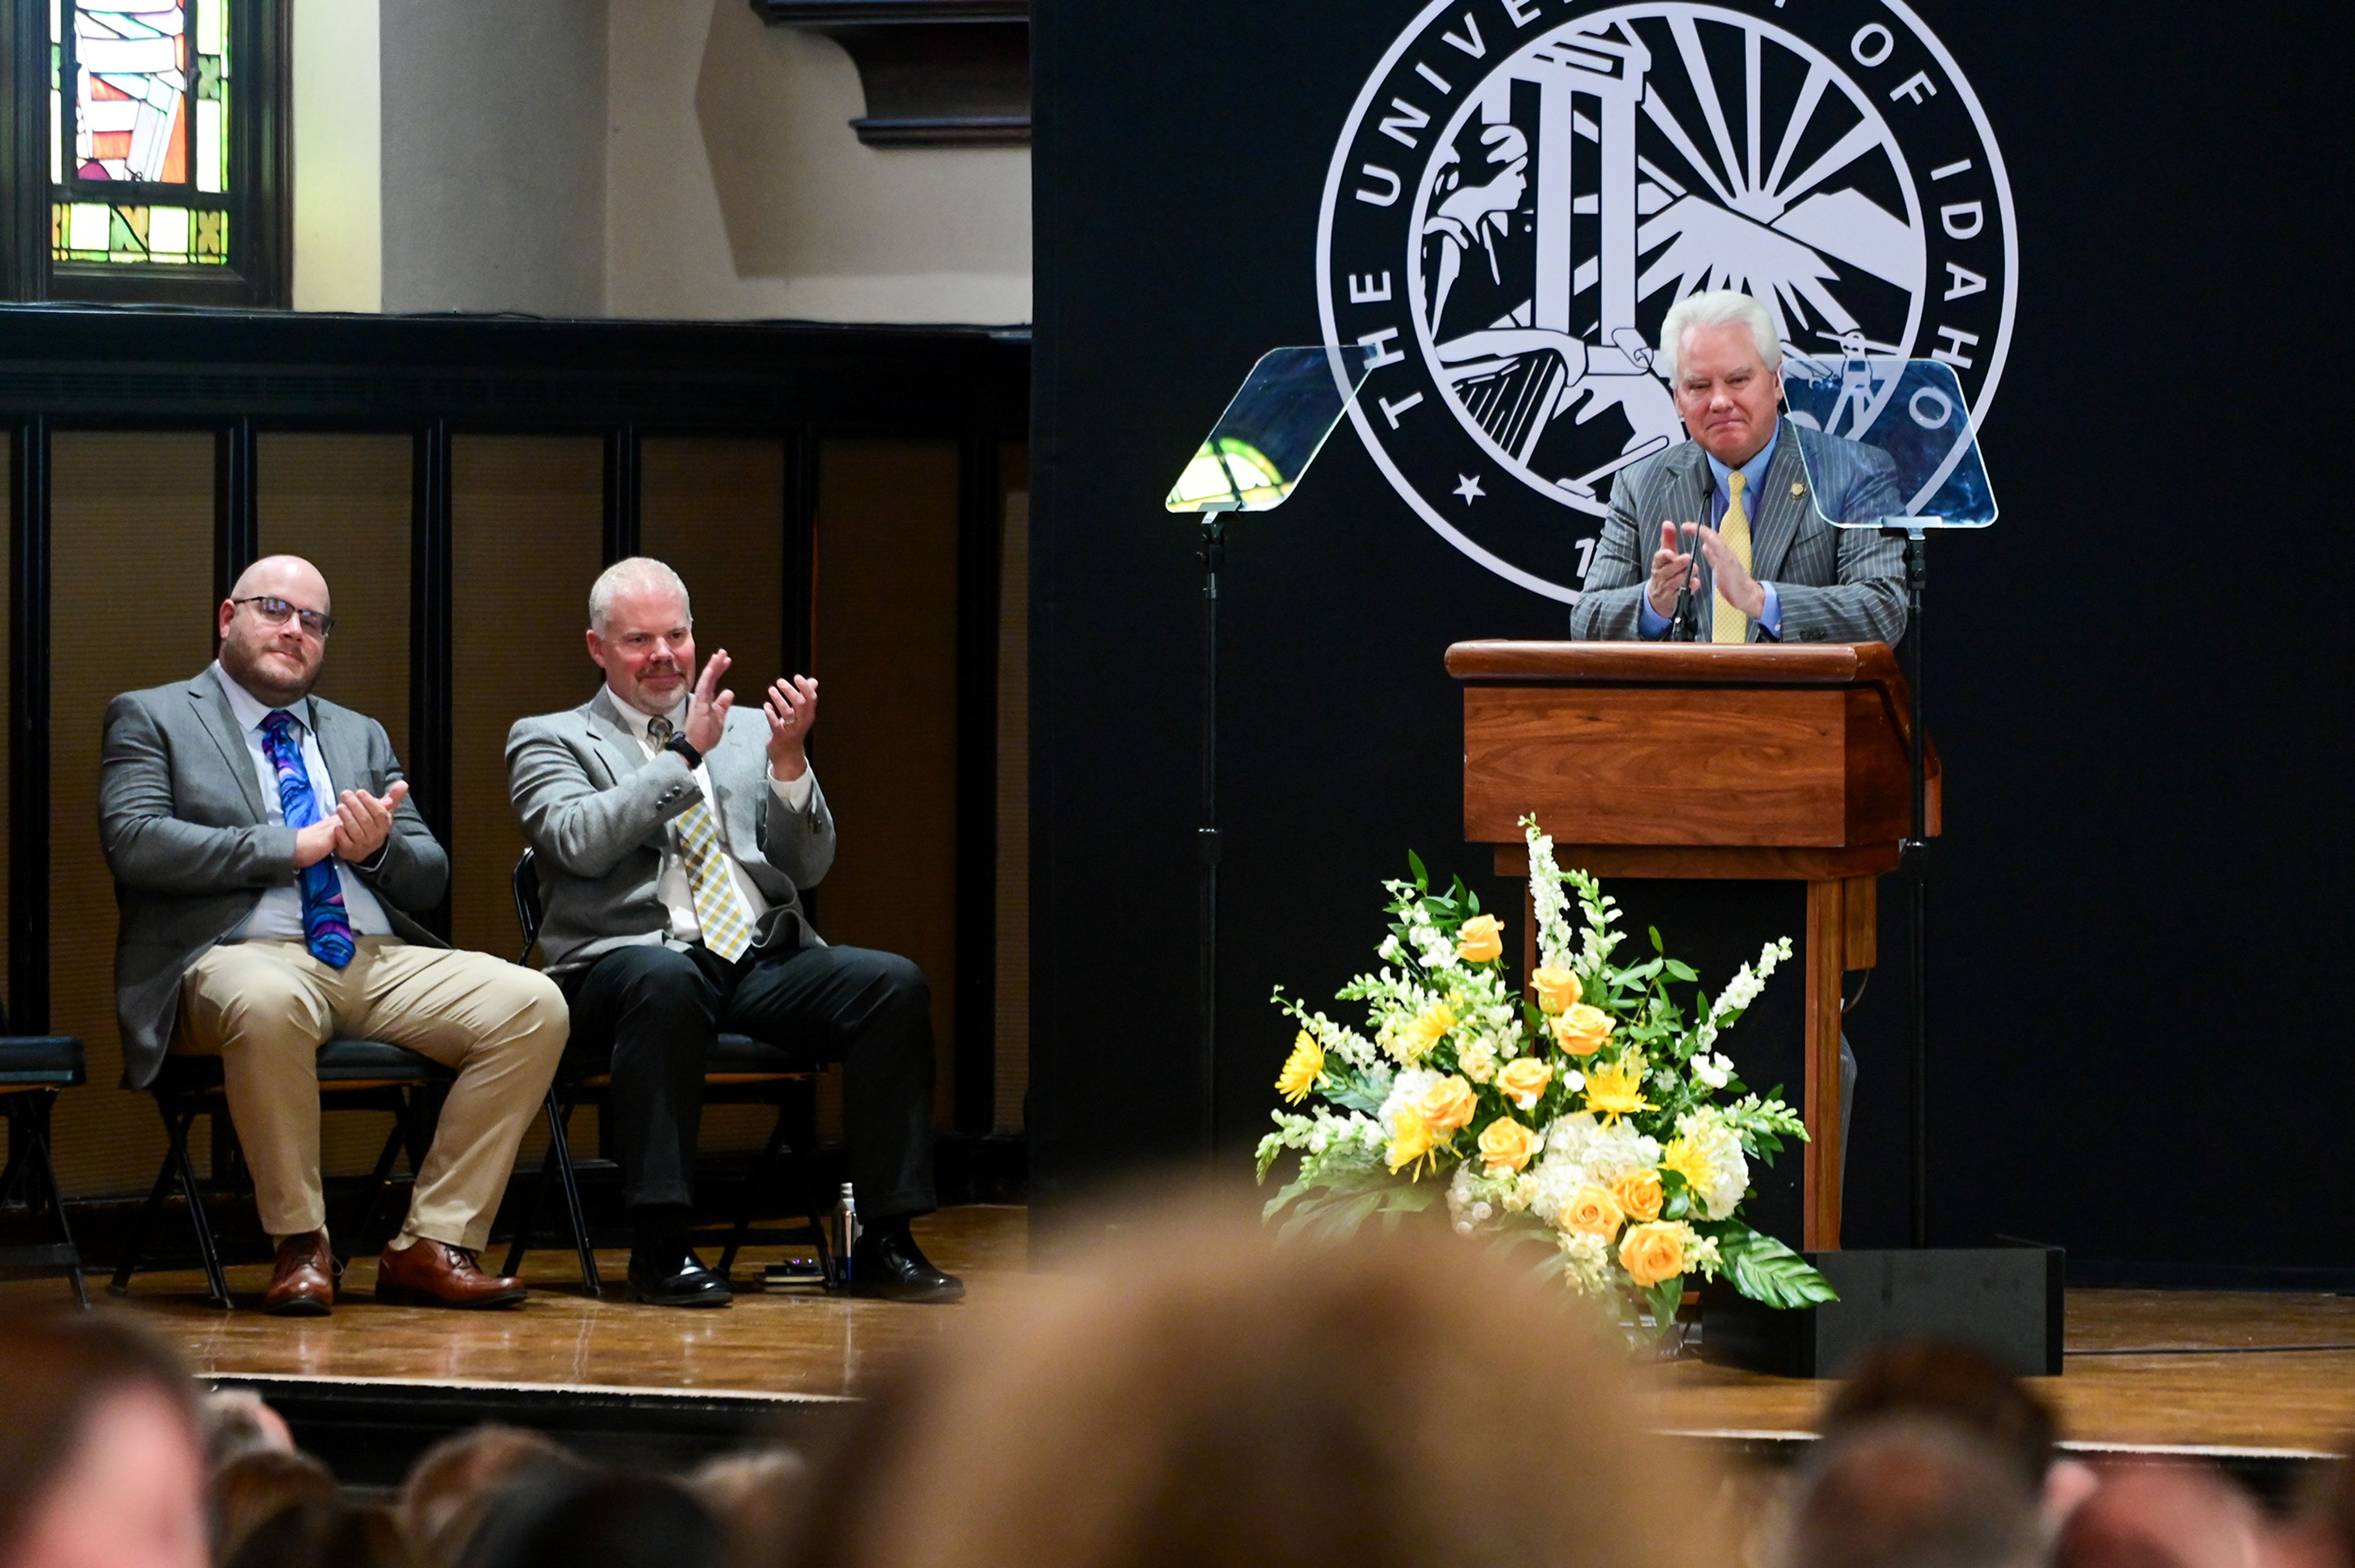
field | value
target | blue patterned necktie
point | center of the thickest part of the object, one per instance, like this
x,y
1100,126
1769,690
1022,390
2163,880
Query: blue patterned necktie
x,y
327,930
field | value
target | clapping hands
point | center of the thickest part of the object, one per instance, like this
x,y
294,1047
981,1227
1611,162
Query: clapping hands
x,y
361,823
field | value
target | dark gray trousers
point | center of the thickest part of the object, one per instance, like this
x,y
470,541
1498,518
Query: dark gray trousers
x,y
656,1010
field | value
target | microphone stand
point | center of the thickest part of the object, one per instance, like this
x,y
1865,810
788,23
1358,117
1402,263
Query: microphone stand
x,y
1681,625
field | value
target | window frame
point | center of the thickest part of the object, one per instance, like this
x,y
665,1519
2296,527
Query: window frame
x,y
258,272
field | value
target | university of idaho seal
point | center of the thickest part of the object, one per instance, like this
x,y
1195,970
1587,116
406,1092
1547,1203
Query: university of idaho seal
x,y
1525,186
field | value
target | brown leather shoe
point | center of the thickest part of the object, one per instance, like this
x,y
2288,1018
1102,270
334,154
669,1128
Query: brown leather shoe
x,y
304,1284
427,1273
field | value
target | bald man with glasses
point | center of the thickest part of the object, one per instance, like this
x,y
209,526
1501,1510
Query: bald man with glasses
x,y
268,869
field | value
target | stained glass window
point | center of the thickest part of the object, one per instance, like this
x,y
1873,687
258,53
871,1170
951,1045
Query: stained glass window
x,y
139,131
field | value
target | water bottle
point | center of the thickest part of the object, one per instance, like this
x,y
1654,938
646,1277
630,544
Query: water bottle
x,y
845,1237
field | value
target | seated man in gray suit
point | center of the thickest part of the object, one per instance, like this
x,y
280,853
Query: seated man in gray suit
x,y
1775,571
673,833
267,863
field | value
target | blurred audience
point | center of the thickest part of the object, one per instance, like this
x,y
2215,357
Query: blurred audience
x,y
325,1534
1958,1384
1911,1491
236,1422
456,1481
2321,1532
252,1490
757,1498
2167,1515
573,1516
101,1465
1200,1397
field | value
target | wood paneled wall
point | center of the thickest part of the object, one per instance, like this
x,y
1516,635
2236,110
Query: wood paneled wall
x,y
885,748
526,532
1011,951
131,605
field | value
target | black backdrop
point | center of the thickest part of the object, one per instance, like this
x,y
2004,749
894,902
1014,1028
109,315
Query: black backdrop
x,y
2140,1043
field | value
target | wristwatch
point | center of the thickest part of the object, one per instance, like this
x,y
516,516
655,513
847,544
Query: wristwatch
x,y
679,743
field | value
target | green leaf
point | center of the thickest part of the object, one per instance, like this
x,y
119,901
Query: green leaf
x,y
1766,1271
1422,876
1658,945
1684,972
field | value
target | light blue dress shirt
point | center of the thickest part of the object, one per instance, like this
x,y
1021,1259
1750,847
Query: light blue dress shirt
x,y
279,916
1655,626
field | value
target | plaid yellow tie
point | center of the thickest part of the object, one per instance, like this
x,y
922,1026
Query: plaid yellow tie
x,y
726,919
1726,623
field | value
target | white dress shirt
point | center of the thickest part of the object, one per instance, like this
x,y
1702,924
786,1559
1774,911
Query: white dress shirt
x,y
677,895
279,916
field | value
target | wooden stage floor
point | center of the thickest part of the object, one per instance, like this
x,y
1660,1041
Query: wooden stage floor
x,y
2175,1369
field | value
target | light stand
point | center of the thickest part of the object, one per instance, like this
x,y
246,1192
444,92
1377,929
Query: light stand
x,y
1914,857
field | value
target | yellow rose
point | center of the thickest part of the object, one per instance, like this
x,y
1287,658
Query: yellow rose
x,y
1481,940
1507,1145
1639,1195
1301,1069
1411,1139
1592,1211
1653,1253
1557,989
1523,1080
1446,1105
1582,1030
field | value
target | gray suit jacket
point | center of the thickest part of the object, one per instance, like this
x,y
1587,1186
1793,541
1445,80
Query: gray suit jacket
x,y
597,811
1837,585
190,842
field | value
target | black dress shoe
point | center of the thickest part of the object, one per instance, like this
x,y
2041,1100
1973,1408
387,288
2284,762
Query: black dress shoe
x,y
676,1279
886,1261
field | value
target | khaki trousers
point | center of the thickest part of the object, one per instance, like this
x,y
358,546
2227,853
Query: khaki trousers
x,y
265,1007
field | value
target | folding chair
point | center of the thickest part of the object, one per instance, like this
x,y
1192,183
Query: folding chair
x,y
740,1071
354,1075
34,1069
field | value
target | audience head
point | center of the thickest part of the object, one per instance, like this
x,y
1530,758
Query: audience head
x,y
100,1463
1953,1383
1911,1491
1202,1396
457,1480
2164,1516
757,1498
2322,1533
254,1488
271,641
642,634
236,1422
578,1518
329,1534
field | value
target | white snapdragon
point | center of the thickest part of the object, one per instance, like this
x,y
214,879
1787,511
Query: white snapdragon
x,y
1713,1073
1477,1061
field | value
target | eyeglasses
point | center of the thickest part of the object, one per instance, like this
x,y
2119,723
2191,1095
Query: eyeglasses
x,y
318,622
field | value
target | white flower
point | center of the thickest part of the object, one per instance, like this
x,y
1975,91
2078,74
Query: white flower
x,y
1719,1151
1478,1061
1712,1072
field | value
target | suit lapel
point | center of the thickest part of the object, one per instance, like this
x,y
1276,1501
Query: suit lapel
x,y
1783,503
346,767
212,707
611,738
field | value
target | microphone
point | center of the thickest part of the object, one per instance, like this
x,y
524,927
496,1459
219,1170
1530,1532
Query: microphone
x,y
1682,624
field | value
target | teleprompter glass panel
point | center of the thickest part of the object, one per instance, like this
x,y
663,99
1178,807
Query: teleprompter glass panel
x,y
1270,432
1910,410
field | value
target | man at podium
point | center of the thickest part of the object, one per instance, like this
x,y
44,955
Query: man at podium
x,y
1769,568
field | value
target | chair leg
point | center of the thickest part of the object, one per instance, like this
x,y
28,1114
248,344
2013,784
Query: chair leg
x,y
528,1224
364,1208
214,1276
16,1140
569,1183
756,1183
42,1181
135,1249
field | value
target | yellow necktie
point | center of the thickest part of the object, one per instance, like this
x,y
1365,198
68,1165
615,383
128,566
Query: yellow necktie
x,y
726,918
1726,623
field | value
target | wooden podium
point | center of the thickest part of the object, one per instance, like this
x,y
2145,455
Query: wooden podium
x,y
1761,761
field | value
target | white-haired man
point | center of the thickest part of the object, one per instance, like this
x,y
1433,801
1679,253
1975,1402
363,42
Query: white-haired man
x,y
673,835
1770,568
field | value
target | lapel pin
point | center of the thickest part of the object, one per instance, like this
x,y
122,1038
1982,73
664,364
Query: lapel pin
x,y
1797,489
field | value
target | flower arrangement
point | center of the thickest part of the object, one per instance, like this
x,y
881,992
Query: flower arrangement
x,y
1592,1114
